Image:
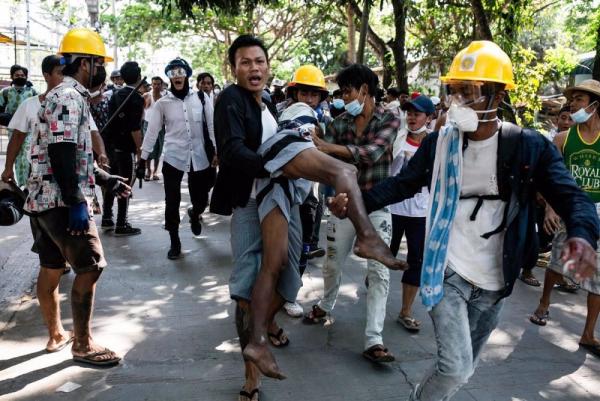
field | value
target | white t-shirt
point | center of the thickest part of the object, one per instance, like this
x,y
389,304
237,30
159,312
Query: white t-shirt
x,y
417,205
26,115
476,259
269,128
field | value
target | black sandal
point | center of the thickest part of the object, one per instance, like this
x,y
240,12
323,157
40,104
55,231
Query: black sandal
x,y
371,355
315,316
278,338
248,395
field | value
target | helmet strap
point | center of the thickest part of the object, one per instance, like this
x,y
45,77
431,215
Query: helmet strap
x,y
484,117
91,72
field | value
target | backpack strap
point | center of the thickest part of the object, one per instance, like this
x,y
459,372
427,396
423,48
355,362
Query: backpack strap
x,y
508,145
209,147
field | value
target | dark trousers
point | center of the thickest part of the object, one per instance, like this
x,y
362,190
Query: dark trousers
x,y
311,212
199,185
121,164
414,228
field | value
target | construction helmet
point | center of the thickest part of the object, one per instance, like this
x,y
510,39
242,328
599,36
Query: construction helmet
x,y
481,61
83,41
309,75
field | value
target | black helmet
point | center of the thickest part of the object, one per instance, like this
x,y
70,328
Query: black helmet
x,y
12,200
179,62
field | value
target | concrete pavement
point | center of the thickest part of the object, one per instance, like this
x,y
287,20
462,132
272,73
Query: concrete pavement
x,y
173,323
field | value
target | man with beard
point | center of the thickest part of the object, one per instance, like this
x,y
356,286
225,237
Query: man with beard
x,y
125,140
61,187
188,147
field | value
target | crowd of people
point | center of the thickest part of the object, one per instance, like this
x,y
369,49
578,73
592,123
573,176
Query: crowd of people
x,y
478,198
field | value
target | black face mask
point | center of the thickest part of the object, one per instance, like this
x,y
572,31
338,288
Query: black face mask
x,y
19,81
99,77
181,94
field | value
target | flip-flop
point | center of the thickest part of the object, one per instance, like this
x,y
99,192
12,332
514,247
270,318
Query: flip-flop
x,y
594,349
277,336
409,323
570,288
92,358
248,395
532,281
61,345
371,356
155,178
538,319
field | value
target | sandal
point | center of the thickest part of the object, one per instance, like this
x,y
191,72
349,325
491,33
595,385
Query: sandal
x,y
565,286
95,358
410,324
538,319
147,178
61,345
532,281
155,178
248,395
279,338
372,354
594,349
315,316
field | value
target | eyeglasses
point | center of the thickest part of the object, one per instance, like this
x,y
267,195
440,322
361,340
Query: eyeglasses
x,y
177,73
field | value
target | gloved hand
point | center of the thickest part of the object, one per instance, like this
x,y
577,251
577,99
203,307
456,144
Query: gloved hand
x,y
140,169
116,185
79,218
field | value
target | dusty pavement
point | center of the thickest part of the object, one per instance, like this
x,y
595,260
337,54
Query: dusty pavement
x,y
173,323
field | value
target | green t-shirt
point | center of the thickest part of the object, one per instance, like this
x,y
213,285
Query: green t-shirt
x,y
583,161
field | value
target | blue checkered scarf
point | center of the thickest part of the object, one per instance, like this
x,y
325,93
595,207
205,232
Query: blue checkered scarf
x,y
443,202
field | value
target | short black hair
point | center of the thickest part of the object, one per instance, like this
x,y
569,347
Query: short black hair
x,y
203,75
71,68
157,78
356,75
337,93
245,41
403,92
395,92
564,109
49,63
130,72
18,67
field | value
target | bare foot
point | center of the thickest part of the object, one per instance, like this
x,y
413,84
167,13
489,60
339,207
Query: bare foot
x,y
261,356
60,341
373,247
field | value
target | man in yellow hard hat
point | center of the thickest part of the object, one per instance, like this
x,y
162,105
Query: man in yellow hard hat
x,y
308,86
483,175
61,187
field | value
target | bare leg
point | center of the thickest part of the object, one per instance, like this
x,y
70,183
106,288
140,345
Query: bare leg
x,y
314,165
593,308
82,304
242,324
550,278
274,229
409,292
47,293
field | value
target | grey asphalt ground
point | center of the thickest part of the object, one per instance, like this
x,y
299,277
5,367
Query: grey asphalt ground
x,y
173,324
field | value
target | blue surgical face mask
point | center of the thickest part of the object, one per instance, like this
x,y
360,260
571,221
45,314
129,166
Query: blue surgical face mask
x,y
354,108
338,104
581,115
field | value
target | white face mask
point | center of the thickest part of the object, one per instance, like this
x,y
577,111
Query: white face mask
x,y
581,116
462,117
418,131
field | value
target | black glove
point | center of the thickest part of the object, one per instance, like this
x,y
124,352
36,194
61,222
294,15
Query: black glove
x,y
140,169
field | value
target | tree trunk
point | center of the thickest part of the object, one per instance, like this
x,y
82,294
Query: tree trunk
x,y
596,69
399,43
351,35
482,26
364,27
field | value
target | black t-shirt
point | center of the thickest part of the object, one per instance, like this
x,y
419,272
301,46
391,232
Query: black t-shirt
x,y
128,120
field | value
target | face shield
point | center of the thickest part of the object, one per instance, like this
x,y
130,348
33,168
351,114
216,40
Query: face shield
x,y
464,100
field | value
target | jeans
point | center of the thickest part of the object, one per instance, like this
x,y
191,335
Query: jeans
x,y
462,322
199,185
340,238
121,164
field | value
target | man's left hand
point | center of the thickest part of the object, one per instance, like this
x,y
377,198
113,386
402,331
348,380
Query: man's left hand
x,y
579,257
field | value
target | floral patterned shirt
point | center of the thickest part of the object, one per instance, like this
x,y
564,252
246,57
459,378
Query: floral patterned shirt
x,y
63,117
11,97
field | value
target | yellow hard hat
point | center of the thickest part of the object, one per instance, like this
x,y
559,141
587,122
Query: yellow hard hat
x,y
309,75
83,41
483,61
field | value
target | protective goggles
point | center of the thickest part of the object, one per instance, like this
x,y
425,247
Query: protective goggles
x,y
177,72
463,93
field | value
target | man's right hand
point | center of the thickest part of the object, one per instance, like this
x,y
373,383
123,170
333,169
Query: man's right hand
x,y
338,205
8,175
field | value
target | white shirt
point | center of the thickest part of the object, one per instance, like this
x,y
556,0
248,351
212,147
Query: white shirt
x,y
269,128
403,151
184,139
476,259
26,115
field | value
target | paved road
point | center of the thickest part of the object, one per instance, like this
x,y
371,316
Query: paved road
x,y
173,323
